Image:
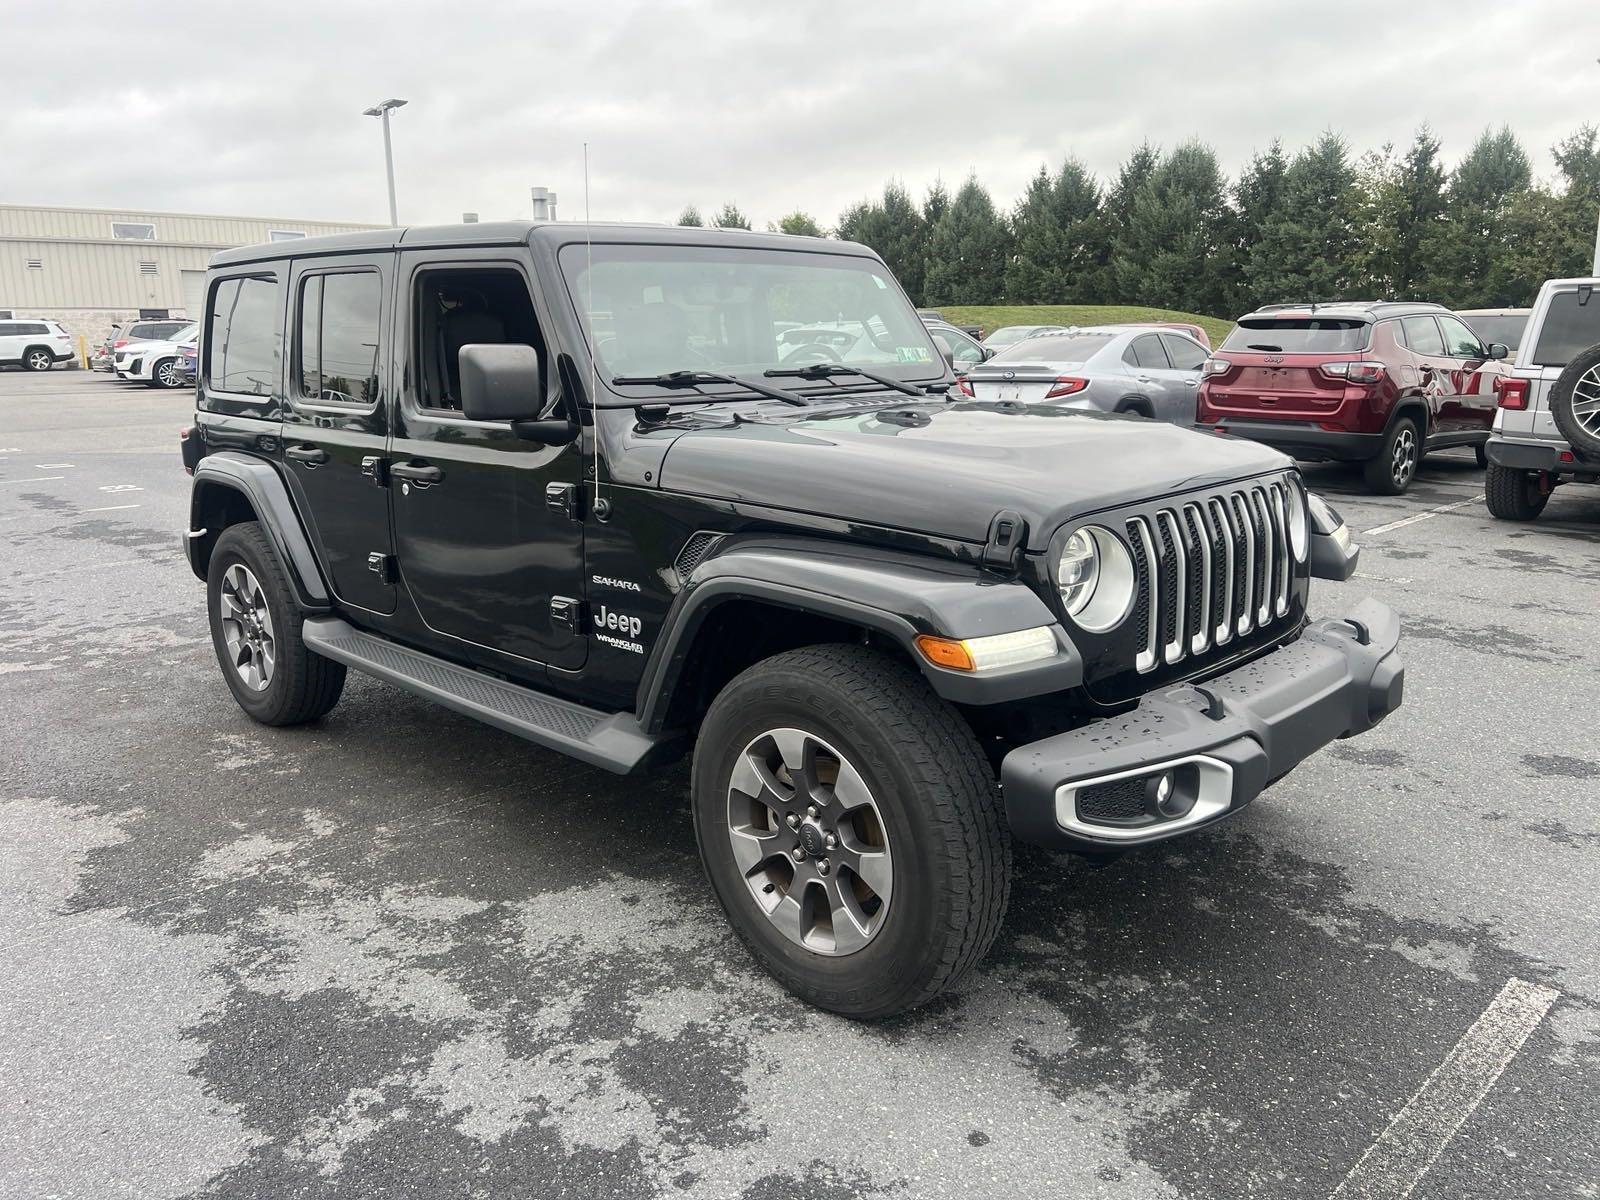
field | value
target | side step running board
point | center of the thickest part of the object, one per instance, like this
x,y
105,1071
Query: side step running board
x,y
612,741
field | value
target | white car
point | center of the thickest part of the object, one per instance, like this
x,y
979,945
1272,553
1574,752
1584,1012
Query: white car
x,y
155,363
33,345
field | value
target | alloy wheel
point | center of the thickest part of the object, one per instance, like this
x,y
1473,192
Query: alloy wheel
x,y
247,627
38,361
1403,460
810,842
167,374
1586,400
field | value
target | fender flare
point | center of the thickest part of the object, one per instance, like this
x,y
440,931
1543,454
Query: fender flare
x,y
1136,403
261,485
894,593
1411,402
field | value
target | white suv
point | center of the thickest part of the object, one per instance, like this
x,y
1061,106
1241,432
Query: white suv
x,y
155,363
34,345
1547,423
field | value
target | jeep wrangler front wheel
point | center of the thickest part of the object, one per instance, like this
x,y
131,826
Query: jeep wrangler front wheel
x,y
255,627
851,829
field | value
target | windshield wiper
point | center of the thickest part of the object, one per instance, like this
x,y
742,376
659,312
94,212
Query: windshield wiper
x,y
695,378
828,370
1260,346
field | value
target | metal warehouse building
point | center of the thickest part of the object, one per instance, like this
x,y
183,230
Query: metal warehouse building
x,y
90,268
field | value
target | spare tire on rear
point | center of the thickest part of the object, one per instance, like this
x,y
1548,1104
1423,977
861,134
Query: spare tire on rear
x,y
1575,403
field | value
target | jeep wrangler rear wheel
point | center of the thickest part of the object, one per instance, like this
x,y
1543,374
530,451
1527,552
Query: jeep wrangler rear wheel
x,y
1514,495
851,829
255,628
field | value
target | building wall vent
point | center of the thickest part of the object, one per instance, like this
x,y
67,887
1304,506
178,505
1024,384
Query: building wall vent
x,y
146,267
36,264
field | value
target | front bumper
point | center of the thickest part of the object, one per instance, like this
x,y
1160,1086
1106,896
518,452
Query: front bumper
x,y
1225,738
1302,439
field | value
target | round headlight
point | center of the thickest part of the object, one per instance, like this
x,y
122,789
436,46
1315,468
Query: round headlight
x,y
1297,522
1094,574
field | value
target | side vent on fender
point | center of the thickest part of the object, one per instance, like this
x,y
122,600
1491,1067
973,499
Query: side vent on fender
x,y
694,552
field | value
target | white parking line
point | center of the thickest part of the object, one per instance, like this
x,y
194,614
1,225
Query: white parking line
x,y
34,479
111,508
1419,1132
1421,516
50,466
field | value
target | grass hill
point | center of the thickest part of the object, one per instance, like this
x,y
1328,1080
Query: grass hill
x,y
993,316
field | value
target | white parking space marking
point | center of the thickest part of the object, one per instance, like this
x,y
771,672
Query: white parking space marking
x,y
122,487
1422,516
34,479
50,466
111,508
1420,1131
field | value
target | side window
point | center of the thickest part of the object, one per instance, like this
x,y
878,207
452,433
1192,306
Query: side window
x,y
460,306
338,327
1185,355
1459,341
7,329
242,345
1146,352
1422,335
963,348
1396,330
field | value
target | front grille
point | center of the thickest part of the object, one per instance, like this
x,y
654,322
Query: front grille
x,y
1120,802
1210,570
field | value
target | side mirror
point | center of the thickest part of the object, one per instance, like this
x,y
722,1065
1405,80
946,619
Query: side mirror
x,y
1499,350
499,382
945,351
989,352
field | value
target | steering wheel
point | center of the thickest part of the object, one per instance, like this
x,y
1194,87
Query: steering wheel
x,y
823,353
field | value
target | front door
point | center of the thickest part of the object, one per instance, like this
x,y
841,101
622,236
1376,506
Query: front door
x,y
336,425
488,527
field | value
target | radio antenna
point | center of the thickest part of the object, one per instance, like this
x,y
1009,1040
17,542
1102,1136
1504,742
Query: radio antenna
x,y
594,362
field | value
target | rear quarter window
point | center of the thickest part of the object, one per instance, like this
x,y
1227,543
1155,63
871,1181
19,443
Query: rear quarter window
x,y
1569,328
1051,348
1298,335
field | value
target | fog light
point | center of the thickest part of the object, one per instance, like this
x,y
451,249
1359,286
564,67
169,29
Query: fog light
x,y
1165,798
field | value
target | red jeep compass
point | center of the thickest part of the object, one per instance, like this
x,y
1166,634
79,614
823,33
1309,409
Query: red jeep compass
x,y
1376,383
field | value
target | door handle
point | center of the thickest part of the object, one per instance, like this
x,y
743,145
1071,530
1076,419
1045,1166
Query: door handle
x,y
421,474
1144,379
312,456
1191,383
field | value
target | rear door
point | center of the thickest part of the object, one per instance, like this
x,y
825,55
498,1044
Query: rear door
x,y
1153,376
1187,356
1568,324
10,342
1433,370
1470,376
336,424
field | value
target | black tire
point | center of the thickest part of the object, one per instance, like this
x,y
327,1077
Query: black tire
x,y
1578,386
38,358
1514,495
1391,471
302,686
941,817
172,380
1481,452
1135,408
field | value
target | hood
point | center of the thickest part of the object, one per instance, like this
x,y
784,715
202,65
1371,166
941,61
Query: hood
x,y
946,469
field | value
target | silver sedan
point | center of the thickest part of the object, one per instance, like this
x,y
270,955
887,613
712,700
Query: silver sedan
x,y
1148,371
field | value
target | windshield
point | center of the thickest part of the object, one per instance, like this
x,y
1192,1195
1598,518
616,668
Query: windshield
x,y
1075,347
657,309
187,334
1298,335
1505,330
1009,335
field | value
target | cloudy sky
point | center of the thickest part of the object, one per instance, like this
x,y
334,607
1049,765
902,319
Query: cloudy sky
x,y
229,108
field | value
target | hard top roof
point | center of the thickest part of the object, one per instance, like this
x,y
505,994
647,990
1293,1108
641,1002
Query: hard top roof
x,y
510,233
1354,310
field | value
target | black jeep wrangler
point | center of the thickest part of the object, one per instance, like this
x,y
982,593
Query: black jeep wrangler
x,y
633,491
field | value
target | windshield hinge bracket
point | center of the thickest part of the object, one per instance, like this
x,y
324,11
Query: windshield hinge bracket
x,y
1008,535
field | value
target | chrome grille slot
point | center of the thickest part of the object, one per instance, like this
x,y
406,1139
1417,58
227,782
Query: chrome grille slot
x,y
1209,570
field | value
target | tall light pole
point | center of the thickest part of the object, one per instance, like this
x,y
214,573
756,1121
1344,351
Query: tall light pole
x,y
382,111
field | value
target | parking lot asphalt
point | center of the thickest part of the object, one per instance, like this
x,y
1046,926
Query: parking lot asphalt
x,y
397,953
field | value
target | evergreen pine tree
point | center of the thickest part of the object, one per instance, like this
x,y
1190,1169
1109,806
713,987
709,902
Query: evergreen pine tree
x,y
967,251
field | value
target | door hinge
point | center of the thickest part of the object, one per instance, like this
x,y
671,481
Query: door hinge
x,y
375,469
1008,534
562,499
566,613
381,565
